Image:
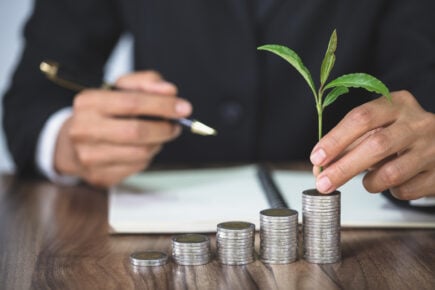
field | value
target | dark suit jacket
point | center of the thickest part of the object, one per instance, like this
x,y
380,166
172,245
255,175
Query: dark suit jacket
x,y
261,107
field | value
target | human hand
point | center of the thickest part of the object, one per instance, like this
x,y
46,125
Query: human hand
x,y
394,141
102,148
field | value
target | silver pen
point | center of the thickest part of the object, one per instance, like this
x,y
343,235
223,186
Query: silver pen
x,y
52,70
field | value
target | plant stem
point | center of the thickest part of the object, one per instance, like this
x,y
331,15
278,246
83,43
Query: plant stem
x,y
320,115
319,124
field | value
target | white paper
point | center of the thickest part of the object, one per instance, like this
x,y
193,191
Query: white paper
x,y
197,200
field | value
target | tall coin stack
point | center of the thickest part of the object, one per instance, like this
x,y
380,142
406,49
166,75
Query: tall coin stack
x,y
321,226
191,249
235,243
278,235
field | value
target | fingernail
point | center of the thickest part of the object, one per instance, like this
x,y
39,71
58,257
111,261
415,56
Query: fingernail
x,y
324,185
183,108
318,156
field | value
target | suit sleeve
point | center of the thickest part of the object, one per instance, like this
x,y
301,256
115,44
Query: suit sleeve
x,y
405,48
76,33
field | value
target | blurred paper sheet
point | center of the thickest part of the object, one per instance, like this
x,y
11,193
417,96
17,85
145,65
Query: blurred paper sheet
x,y
197,200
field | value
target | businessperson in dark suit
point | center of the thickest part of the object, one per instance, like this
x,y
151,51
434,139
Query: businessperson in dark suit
x,y
198,58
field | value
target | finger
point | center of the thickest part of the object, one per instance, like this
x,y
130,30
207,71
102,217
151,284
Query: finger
x,y
317,169
91,128
394,172
147,81
98,155
421,185
111,175
116,103
354,125
375,148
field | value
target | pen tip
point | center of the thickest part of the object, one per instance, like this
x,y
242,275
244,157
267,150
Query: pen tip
x,y
202,129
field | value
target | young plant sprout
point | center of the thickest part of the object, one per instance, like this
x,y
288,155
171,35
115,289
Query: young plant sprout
x,y
336,87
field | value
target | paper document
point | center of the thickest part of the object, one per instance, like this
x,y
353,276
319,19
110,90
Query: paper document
x,y
197,200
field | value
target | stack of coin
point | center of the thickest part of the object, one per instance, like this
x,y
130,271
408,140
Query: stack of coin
x,y
191,249
278,235
235,242
321,226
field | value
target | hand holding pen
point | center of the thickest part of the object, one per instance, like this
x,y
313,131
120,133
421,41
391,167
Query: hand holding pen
x,y
102,148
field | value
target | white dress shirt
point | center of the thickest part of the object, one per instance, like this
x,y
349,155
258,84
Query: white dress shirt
x,y
47,145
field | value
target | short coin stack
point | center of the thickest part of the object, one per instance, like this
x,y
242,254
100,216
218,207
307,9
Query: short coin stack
x,y
278,235
321,226
235,242
149,258
191,249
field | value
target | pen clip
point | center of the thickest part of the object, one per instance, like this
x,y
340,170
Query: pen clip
x,y
53,72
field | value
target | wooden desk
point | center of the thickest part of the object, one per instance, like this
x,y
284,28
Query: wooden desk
x,y
56,238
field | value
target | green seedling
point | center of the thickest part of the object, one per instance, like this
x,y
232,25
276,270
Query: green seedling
x,y
336,87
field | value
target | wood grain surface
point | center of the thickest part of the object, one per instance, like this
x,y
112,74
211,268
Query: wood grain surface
x,y
55,237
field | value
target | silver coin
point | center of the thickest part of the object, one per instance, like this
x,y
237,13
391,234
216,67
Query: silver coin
x,y
284,244
319,228
192,258
279,261
194,263
314,192
149,258
235,236
235,226
278,227
279,240
235,252
190,239
236,263
287,222
274,236
272,248
321,231
188,247
316,210
278,212
223,241
288,226
327,260
319,201
278,254
324,240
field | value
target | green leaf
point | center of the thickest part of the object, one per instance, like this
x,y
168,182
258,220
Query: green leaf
x,y
292,57
329,59
333,95
361,80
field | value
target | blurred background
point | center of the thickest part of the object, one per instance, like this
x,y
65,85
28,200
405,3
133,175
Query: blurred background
x,y
13,15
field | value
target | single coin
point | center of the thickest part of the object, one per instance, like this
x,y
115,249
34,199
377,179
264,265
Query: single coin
x,y
235,226
149,258
278,212
314,192
190,238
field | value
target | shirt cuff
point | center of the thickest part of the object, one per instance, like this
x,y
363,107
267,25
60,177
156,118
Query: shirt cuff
x,y
46,148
